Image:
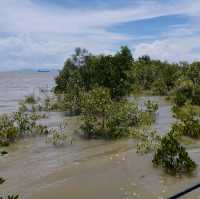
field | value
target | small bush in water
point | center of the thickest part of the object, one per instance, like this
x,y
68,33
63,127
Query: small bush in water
x,y
152,107
173,157
24,123
11,197
59,137
19,124
95,106
105,118
30,100
2,180
22,107
8,132
2,153
150,140
121,118
189,121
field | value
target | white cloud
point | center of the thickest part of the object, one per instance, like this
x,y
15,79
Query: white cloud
x,y
36,35
172,49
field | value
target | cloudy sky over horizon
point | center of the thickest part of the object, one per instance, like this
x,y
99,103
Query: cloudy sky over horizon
x,y
43,33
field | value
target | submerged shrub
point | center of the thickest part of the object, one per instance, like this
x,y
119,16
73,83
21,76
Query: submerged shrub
x,y
159,87
152,107
183,93
3,153
59,137
189,121
122,116
173,157
40,130
8,132
24,122
2,180
187,92
105,118
22,107
95,106
17,125
150,140
11,197
30,99
71,102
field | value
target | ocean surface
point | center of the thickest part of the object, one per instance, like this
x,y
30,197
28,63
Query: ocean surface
x,y
86,169
14,86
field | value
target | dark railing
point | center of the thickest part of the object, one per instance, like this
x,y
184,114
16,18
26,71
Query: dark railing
x,y
178,195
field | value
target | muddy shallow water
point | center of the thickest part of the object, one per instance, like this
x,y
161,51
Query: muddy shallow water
x,y
88,169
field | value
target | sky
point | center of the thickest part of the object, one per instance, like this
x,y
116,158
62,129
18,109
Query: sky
x,y
44,33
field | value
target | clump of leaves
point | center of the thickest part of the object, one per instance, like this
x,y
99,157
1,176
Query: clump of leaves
x,y
19,124
187,91
173,157
40,130
3,153
24,122
11,197
121,117
149,115
150,140
105,118
30,99
59,137
189,121
71,101
95,106
36,116
159,87
2,180
152,107
22,107
8,131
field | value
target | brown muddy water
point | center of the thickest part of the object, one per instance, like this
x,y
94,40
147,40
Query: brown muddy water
x,y
87,169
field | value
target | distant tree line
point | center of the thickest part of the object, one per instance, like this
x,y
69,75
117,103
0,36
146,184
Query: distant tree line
x,y
123,75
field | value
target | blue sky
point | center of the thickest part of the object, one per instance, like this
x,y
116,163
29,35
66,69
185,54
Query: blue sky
x,y
43,33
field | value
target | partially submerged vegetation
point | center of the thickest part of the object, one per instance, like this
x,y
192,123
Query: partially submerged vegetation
x,y
22,123
59,136
11,197
106,118
18,125
188,121
173,157
30,99
2,180
97,87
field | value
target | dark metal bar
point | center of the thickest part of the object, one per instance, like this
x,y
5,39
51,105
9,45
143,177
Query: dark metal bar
x,y
178,195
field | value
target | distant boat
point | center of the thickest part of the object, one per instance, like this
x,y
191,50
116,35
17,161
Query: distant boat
x,y
43,71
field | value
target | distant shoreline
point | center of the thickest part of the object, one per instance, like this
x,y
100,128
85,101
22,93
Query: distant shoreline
x,y
30,71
